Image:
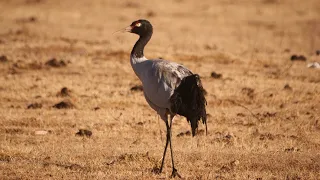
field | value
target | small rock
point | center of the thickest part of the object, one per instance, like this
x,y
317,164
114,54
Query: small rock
x,y
314,65
3,58
41,132
64,105
32,19
235,163
216,75
84,132
140,123
35,106
110,162
64,92
180,134
298,58
96,108
55,63
282,106
287,87
137,88
187,133
241,115
248,91
292,149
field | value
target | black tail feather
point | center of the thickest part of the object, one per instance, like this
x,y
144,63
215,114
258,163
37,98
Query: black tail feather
x,y
188,100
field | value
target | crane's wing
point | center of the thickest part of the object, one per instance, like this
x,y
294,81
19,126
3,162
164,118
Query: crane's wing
x,y
170,73
160,79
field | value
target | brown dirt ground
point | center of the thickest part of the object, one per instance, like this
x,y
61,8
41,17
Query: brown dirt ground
x,y
258,129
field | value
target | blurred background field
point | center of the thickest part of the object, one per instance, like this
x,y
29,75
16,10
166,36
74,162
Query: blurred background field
x,y
62,69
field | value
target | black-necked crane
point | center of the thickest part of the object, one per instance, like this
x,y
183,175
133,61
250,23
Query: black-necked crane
x,y
168,87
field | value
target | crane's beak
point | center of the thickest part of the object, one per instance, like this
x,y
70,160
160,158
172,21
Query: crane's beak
x,y
127,29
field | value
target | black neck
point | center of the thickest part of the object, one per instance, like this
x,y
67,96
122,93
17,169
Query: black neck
x,y
138,48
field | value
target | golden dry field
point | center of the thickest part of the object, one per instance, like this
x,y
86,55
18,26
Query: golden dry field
x,y
264,111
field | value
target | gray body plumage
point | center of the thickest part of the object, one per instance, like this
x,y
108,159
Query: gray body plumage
x,y
159,80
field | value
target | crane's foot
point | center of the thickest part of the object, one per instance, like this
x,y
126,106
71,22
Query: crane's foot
x,y
175,173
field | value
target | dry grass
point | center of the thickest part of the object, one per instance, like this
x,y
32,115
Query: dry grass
x,y
257,128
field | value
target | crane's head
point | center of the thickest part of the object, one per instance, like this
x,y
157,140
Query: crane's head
x,y
141,27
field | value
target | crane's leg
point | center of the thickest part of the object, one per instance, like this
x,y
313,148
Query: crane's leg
x,y
174,170
167,141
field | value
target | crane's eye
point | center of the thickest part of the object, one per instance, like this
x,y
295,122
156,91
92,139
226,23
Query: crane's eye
x,y
138,25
